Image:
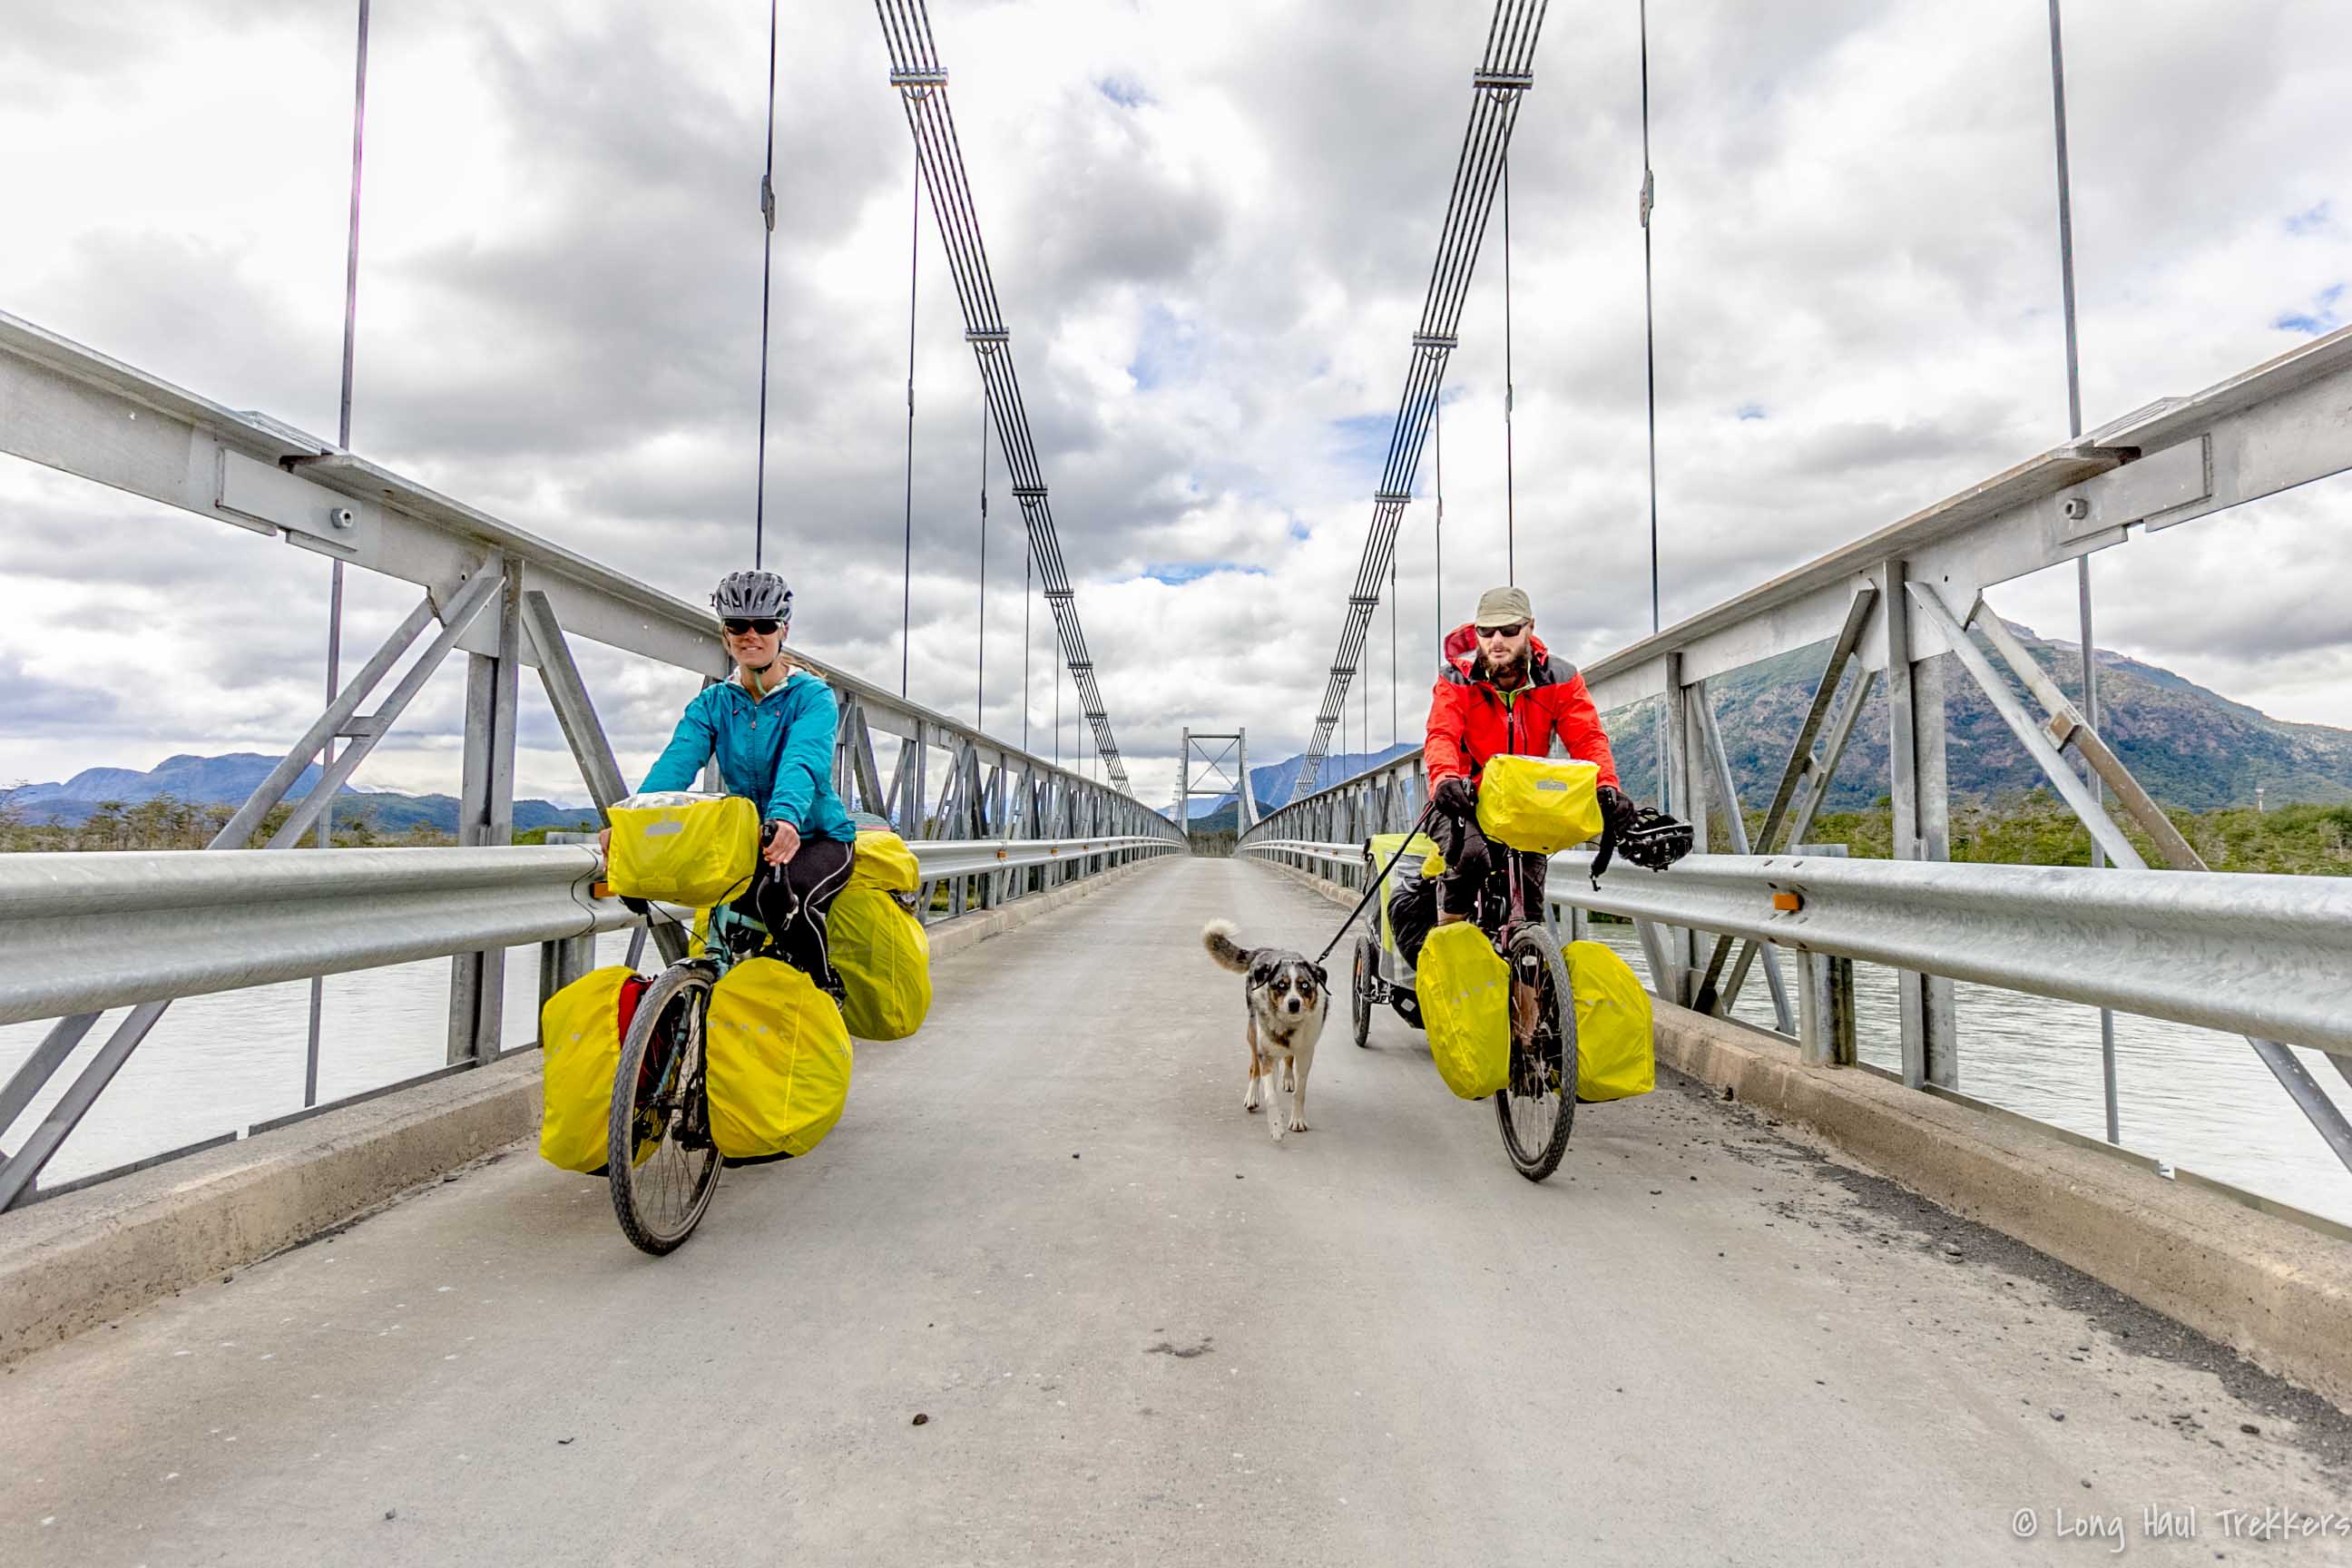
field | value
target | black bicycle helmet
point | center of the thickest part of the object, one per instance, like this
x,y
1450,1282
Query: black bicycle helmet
x,y
753,597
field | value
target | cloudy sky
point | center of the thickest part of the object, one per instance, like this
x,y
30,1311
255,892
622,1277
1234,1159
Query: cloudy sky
x,y
1211,225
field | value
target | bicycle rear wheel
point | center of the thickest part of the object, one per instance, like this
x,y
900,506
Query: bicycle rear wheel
x,y
1537,1106
1365,979
663,1164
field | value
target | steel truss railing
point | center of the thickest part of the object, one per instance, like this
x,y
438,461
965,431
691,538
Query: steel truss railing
x,y
81,933
2244,952
923,85
509,600
1504,76
1890,607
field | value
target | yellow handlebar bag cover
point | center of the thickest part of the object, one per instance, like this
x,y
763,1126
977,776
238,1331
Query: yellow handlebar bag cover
x,y
884,959
684,848
1539,804
882,860
579,1050
1464,991
1616,1053
779,1061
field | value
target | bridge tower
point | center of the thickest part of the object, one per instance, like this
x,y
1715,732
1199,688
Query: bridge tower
x,y
1224,769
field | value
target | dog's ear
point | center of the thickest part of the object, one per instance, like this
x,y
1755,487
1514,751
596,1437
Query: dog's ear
x,y
1260,974
1322,977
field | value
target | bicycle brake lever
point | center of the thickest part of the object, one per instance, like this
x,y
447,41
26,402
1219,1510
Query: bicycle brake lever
x,y
1608,848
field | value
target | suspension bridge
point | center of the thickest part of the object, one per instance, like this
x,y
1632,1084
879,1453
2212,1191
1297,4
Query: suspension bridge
x,y
1048,1294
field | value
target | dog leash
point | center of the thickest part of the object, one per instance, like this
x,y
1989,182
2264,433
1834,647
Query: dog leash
x,y
1409,835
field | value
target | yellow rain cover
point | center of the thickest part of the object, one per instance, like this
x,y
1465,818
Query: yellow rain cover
x,y
681,848
579,1049
884,959
884,861
1465,992
1384,847
779,1061
1616,1054
1539,804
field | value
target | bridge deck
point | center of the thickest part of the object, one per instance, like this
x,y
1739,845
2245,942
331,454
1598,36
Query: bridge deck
x,y
1142,1332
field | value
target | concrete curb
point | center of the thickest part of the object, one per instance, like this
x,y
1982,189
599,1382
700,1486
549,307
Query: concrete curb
x,y
75,1261
2277,1292
72,1262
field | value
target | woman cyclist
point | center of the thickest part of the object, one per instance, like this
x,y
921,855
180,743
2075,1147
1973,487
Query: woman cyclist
x,y
772,731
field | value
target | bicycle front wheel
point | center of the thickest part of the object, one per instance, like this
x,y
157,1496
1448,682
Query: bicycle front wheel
x,y
660,1157
1536,1105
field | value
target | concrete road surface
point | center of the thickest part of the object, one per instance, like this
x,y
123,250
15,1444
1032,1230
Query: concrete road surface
x,y
1141,1332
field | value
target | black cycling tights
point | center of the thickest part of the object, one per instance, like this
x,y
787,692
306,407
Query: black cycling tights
x,y
794,902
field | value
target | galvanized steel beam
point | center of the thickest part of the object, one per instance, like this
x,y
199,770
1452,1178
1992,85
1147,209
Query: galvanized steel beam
x,y
2240,952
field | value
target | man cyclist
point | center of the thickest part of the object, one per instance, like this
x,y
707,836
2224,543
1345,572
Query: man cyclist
x,y
1501,692
772,731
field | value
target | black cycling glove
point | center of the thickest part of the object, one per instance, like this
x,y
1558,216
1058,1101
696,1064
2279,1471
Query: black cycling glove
x,y
1456,797
1617,807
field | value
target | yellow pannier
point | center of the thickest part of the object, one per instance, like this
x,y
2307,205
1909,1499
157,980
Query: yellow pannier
x,y
1464,987
777,1067
1539,804
684,848
1616,1054
580,1031
884,959
883,861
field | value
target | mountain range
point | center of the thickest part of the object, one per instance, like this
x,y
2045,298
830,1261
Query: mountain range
x,y
204,780
2191,747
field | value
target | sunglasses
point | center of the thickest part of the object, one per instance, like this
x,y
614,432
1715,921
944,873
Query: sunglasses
x,y
1514,629
763,626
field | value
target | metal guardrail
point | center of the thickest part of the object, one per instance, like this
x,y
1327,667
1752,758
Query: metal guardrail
x,y
81,933
2267,955
86,932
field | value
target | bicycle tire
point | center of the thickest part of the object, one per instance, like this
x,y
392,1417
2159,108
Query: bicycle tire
x,y
661,1198
1360,1003
1541,1090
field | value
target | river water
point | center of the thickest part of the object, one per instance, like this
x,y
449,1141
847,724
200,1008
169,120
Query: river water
x,y
2199,1100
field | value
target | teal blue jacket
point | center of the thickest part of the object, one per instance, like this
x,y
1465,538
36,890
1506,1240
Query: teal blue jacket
x,y
777,752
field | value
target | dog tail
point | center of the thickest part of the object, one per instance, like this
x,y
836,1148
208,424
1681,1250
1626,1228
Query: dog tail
x,y
1217,936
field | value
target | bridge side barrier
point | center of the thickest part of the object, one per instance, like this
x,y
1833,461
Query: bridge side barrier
x,y
80,934
2268,955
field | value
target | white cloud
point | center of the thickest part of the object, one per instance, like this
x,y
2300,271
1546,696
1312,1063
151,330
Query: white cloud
x,y
1206,269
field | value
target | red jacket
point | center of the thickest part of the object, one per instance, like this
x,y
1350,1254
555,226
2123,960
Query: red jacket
x,y
1470,720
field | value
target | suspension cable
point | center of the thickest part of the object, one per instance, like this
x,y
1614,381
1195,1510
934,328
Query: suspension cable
x,y
1510,511
335,573
1649,315
920,80
1437,536
1028,564
907,570
1499,85
979,702
767,272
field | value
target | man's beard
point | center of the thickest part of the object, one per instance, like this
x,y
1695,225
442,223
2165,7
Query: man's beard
x,y
1506,667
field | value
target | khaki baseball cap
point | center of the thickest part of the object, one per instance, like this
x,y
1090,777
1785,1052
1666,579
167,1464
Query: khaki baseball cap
x,y
1504,608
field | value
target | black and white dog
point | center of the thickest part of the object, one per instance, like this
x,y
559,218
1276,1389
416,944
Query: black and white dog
x,y
1288,996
